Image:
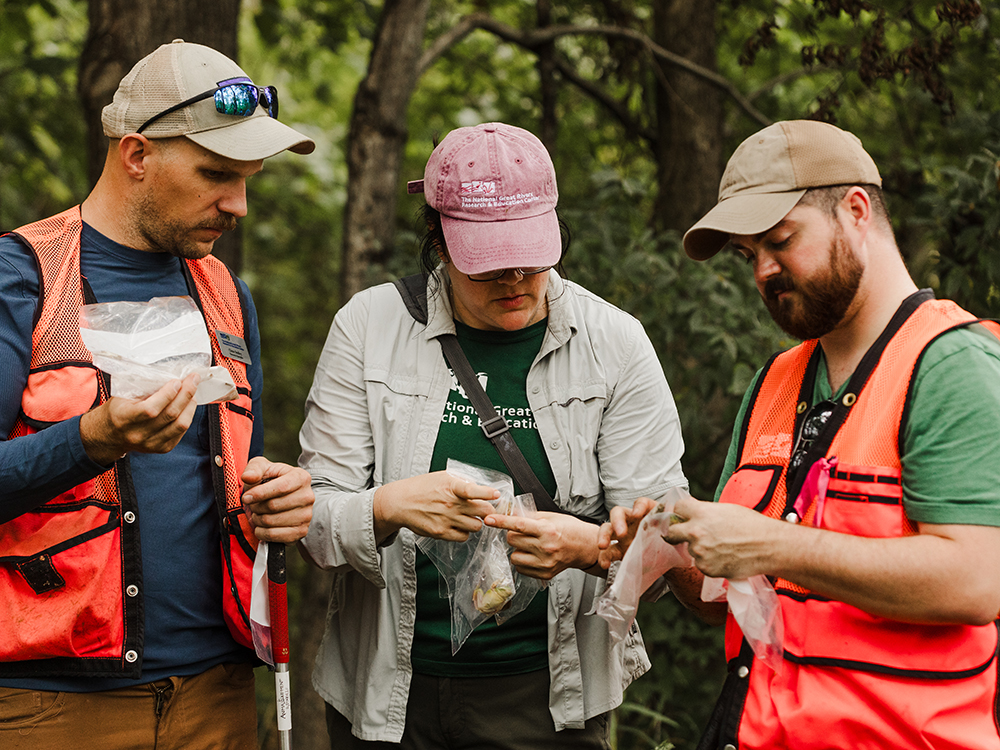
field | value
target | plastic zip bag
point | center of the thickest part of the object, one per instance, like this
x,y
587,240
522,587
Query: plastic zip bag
x,y
476,575
647,558
144,345
754,605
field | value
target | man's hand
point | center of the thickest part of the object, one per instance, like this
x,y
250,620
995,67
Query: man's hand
x,y
619,531
154,424
438,505
725,540
278,500
547,543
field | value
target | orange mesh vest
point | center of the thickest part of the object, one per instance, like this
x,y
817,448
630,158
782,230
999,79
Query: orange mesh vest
x,y
70,570
864,497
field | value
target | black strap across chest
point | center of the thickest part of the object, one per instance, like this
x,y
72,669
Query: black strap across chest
x,y
413,290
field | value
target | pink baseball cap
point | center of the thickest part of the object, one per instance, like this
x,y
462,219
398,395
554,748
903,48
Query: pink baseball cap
x,y
495,188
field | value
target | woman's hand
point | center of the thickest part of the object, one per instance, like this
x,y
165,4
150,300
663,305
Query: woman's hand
x,y
546,544
438,505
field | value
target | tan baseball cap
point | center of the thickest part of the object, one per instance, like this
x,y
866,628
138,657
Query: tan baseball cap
x,y
770,172
179,71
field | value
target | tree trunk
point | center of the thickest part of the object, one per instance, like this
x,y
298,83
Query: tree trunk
x,y
689,115
548,87
124,31
376,140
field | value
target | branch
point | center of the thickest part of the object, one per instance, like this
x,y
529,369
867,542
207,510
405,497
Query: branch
x,y
617,109
534,38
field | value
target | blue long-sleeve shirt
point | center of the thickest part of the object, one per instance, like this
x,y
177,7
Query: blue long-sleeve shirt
x,y
178,523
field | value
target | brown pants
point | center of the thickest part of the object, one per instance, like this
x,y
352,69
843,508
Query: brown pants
x,y
482,713
214,710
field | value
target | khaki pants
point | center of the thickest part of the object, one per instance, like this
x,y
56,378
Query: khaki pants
x,y
483,713
215,710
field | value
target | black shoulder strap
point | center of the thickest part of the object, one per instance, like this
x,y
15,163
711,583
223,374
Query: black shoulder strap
x,y
413,291
857,382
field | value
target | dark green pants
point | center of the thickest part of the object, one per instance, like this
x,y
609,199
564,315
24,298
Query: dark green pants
x,y
484,713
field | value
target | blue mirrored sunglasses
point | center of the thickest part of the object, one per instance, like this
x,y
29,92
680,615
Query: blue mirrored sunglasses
x,y
237,96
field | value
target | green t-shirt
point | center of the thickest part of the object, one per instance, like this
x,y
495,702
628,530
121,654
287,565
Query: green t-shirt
x,y
951,474
501,359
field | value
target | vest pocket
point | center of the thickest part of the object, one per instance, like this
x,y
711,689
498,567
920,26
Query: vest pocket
x,y
866,501
76,386
61,590
833,634
751,486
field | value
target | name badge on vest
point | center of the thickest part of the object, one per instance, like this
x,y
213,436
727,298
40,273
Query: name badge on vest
x,y
233,347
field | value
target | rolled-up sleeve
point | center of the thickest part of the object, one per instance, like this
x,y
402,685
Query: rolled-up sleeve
x,y
338,451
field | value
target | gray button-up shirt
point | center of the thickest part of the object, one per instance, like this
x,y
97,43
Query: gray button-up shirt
x,y
610,429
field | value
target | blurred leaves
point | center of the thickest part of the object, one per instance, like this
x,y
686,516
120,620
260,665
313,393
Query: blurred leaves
x,y
914,79
41,122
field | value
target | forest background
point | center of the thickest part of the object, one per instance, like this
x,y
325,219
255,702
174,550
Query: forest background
x,y
640,103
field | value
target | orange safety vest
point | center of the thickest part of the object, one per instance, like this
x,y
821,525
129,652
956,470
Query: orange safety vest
x,y
852,679
70,570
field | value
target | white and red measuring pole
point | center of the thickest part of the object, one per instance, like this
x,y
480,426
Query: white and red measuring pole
x,y
277,579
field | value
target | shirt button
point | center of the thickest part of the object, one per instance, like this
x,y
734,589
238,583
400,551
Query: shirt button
x,y
729,747
554,445
792,517
131,656
742,671
129,517
536,389
218,460
132,590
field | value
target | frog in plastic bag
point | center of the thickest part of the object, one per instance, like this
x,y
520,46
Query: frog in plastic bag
x,y
476,574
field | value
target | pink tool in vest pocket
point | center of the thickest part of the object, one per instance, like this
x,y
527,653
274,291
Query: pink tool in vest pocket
x,y
814,489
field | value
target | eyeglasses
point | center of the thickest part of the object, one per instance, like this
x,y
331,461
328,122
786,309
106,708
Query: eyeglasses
x,y
500,272
236,96
813,425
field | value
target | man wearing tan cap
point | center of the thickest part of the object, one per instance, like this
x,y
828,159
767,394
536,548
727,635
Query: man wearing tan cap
x,y
128,527
862,477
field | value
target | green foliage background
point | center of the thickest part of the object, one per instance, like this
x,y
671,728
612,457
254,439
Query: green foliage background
x,y
938,155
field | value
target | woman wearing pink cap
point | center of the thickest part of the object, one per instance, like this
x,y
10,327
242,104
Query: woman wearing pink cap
x,y
575,384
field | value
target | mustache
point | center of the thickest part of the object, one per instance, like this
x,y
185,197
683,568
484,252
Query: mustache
x,y
777,285
225,223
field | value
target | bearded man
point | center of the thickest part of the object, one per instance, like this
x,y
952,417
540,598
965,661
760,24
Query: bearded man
x,y
862,477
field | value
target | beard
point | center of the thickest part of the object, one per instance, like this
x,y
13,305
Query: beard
x,y
172,235
822,301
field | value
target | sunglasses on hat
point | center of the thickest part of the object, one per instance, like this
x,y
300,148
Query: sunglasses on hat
x,y
237,96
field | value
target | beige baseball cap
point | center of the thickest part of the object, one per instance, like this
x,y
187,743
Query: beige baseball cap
x,y
770,172
176,72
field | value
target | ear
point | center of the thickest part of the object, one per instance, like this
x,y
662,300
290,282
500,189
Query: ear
x,y
857,206
132,152
855,212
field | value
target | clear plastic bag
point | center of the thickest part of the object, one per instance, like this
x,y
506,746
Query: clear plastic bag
x,y
476,574
647,558
144,345
754,605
